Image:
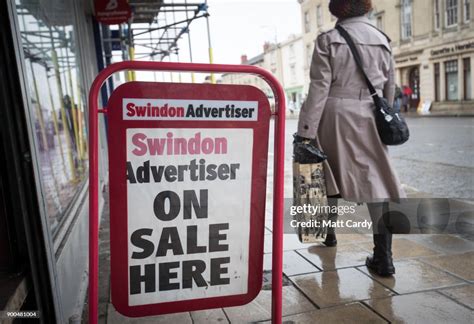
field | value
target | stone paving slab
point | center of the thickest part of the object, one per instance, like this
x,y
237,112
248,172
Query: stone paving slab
x,y
461,265
429,307
114,317
331,288
331,258
444,243
412,276
403,248
290,242
463,294
259,309
355,313
293,264
216,315
432,278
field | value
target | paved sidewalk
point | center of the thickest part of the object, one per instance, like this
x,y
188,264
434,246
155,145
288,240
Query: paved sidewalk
x,y
433,283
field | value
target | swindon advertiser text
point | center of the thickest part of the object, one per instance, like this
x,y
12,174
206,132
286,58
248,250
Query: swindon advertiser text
x,y
169,205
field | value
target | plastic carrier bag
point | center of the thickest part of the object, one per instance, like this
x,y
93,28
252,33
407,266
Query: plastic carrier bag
x,y
309,188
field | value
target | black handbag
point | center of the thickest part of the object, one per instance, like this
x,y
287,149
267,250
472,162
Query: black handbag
x,y
391,126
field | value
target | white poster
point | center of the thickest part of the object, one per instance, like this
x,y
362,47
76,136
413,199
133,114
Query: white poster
x,y
188,194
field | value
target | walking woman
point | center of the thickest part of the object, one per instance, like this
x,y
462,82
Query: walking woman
x,y
338,113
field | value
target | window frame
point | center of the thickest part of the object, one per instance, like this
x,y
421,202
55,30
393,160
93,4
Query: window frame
x,y
451,66
319,16
454,10
467,70
436,14
437,81
307,22
406,33
467,11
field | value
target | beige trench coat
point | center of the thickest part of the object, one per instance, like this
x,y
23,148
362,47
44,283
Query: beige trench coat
x,y
339,112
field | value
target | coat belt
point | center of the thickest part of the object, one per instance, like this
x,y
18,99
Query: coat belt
x,y
347,93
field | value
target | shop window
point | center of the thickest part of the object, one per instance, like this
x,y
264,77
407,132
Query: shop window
x,y
436,81
56,101
467,10
307,22
451,12
451,76
467,79
319,15
436,14
406,16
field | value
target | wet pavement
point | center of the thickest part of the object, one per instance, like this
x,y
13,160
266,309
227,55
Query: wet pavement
x,y
434,280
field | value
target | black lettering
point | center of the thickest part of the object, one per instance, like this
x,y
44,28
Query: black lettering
x,y
157,173
190,112
130,173
169,240
159,205
223,171
251,112
217,270
233,170
192,271
211,172
170,173
192,244
136,279
190,200
142,243
143,173
166,275
237,112
215,236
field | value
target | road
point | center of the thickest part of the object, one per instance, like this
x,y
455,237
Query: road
x,y
438,159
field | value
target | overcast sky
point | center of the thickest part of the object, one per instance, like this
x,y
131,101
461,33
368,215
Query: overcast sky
x,y
240,27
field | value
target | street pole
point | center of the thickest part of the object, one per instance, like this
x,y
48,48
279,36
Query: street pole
x,y
211,56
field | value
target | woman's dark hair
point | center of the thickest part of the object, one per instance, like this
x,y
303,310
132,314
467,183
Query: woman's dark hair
x,y
349,8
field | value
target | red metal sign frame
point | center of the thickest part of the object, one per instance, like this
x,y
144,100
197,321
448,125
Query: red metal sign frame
x,y
278,181
118,184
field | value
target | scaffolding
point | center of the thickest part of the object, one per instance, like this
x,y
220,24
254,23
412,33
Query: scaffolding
x,y
154,31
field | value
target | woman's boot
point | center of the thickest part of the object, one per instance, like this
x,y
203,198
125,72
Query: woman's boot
x,y
331,232
381,261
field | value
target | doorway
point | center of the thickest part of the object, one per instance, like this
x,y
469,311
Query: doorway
x,y
414,83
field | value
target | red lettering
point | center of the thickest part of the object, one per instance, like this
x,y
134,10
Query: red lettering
x,y
130,110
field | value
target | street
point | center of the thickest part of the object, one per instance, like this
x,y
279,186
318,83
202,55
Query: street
x,y
438,159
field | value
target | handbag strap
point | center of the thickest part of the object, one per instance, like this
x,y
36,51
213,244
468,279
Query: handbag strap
x,y
355,53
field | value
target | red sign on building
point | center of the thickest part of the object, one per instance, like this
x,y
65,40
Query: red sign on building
x,y
188,168
112,12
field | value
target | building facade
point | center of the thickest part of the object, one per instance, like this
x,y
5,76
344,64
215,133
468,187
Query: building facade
x,y
293,76
433,55
284,61
433,46
315,19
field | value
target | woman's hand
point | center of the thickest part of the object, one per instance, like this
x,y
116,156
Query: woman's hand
x,y
305,150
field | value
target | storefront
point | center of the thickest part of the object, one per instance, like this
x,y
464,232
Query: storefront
x,y
55,61
452,75
438,74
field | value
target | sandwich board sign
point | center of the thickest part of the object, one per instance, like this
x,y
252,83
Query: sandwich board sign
x,y
187,169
